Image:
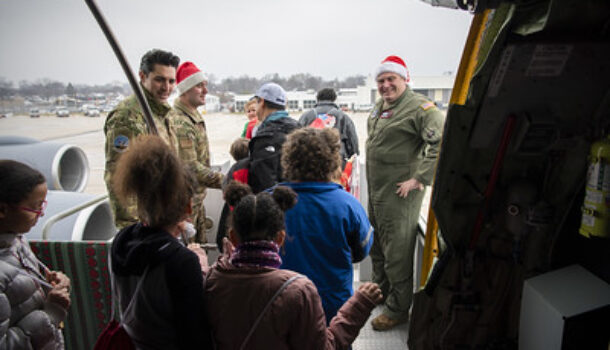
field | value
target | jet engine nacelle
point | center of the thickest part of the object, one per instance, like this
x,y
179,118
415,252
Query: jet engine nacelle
x,y
64,166
92,223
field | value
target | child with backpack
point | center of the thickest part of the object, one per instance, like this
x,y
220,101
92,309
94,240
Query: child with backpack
x,y
159,280
252,304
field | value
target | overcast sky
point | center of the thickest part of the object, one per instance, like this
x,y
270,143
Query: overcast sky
x,y
60,40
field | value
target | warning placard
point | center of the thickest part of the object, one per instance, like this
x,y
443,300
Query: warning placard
x,y
548,60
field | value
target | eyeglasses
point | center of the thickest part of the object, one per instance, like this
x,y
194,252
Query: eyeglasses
x,y
39,212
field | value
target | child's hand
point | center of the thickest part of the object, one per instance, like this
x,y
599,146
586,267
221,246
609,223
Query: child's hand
x,y
59,296
58,280
227,248
372,291
201,254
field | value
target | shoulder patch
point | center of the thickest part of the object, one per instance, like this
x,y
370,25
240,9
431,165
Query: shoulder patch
x,y
120,143
374,113
427,105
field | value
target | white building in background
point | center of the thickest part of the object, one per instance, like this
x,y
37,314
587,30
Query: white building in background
x,y
437,88
212,102
362,98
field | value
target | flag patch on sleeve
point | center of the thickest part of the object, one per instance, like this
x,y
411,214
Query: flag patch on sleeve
x,y
426,106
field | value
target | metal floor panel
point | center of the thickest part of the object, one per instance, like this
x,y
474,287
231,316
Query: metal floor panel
x,y
369,339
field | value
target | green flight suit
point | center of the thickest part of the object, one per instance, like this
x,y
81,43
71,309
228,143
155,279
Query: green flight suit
x,y
194,150
403,143
124,123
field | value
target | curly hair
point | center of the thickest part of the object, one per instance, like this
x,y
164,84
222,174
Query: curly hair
x,y
17,181
151,172
260,216
311,155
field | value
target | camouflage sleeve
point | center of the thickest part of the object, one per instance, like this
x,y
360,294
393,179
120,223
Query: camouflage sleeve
x,y
431,122
194,152
206,176
121,127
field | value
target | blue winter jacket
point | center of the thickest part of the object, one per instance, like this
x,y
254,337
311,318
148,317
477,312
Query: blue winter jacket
x,y
326,232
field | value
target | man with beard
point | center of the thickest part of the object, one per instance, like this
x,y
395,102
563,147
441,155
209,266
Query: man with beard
x,y
193,144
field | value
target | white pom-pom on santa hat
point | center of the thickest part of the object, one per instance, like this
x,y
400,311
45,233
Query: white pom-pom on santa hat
x,y
187,76
393,64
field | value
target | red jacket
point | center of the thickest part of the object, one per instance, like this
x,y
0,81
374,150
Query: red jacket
x,y
236,296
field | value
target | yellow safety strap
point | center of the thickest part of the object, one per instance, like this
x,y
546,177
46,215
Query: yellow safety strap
x,y
468,62
458,96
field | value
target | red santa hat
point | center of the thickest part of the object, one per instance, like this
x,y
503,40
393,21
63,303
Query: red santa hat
x,y
187,76
393,64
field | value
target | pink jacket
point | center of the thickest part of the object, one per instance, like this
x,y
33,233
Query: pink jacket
x,y
236,296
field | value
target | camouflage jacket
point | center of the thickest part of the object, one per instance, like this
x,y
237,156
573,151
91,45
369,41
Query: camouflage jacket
x,y
123,124
194,147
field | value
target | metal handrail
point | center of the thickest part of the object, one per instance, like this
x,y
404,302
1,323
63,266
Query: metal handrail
x,y
61,215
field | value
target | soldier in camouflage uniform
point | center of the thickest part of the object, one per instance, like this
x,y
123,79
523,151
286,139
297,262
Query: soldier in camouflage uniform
x,y
194,148
404,133
126,121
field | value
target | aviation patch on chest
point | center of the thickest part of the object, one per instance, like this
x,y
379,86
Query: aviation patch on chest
x,y
386,115
426,106
120,143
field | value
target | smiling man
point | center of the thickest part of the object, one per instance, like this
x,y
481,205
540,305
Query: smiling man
x,y
126,121
404,133
193,144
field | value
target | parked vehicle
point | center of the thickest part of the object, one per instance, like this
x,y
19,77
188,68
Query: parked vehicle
x,y
34,113
92,112
63,113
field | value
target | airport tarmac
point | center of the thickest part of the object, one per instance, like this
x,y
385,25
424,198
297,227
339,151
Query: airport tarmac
x,y
87,133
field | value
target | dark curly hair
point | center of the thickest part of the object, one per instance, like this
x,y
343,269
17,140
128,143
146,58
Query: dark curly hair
x,y
17,181
151,172
311,155
260,216
156,56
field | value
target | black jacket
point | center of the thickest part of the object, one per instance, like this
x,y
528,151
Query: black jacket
x,y
265,153
343,123
169,308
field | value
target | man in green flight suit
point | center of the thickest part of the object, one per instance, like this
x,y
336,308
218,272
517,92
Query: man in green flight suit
x,y
123,124
404,133
193,139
